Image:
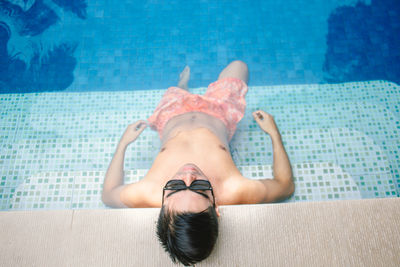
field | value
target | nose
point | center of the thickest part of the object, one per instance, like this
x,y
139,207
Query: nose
x,y
188,177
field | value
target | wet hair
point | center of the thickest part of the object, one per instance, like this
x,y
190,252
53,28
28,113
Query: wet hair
x,y
187,236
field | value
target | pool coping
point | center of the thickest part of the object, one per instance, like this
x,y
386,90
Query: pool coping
x,y
331,233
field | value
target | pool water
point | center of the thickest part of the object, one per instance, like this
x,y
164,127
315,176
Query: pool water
x,y
74,74
57,45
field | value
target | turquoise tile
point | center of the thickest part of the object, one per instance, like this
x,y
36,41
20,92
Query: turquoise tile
x,y
377,185
323,181
251,148
9,174
52,190
336,142
6,194
8,127
309,145
87,190
357,153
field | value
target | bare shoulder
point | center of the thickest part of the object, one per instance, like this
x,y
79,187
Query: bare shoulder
x,y
254,191
241,190
140,195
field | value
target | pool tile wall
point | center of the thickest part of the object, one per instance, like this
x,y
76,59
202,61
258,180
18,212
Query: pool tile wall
x,y
342,140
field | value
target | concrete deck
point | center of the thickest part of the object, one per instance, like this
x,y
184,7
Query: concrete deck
x,y
336,233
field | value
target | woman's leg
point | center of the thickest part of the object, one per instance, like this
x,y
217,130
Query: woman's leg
x,y
236,69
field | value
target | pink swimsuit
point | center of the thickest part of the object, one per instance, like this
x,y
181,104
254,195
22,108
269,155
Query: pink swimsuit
x,y
224,100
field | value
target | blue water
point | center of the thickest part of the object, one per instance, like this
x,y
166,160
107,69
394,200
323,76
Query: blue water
x,y
77,45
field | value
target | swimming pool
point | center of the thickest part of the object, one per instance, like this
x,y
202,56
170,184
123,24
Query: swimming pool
x,y
329,82
56,45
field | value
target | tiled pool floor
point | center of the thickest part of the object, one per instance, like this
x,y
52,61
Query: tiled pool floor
x,y
342,139
102,45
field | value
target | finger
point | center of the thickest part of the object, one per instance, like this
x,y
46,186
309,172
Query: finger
x,y
255,115
140,122
140,130
140,125
258,115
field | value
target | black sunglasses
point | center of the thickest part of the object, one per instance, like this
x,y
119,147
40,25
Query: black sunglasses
x,y
195,186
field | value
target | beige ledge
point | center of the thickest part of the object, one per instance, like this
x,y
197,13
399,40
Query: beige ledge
x,y
338,233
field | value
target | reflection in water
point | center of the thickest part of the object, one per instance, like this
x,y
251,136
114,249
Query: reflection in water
x,y
75,6
363,43
34,21
47,70
50,70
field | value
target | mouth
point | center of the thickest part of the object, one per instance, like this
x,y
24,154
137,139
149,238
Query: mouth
x,y
189,168
192,168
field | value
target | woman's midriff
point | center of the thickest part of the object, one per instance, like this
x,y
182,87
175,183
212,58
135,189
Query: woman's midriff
x,y
193,120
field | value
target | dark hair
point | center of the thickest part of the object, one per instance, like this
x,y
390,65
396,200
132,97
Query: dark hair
x,y
188,237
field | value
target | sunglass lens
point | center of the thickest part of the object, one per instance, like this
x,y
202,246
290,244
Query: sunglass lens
x,y
175,185
200,185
